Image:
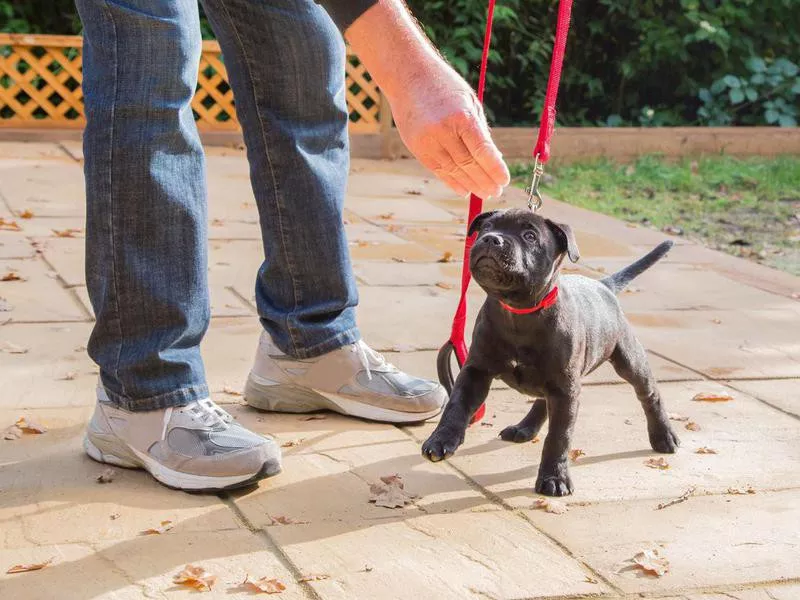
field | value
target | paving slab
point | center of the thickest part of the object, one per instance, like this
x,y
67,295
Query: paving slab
x,y
31,150
14,244
38,296
408,208
772,592
611,430
708,541
47,188
781,393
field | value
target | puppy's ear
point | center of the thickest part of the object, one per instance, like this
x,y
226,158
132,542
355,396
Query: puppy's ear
x,y
478,222
565,238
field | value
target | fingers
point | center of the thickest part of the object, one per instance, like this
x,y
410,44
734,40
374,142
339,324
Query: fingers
x,y
464,167
476,138
434,159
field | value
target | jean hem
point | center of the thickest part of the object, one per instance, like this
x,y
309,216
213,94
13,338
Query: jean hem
x,y
345,338
173,399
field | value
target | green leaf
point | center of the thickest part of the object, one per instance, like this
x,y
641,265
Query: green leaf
x,y
796,87
732,81
751,94
736,95
718,86
704,95
758,79
787,121
771,116
613,121
756,64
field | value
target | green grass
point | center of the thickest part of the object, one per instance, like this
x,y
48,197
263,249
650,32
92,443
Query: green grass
x,y
748,207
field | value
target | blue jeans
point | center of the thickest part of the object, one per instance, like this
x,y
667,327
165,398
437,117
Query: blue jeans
x,y
146,247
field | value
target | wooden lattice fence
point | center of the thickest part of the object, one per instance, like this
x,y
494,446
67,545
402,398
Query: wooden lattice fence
x,y
40,86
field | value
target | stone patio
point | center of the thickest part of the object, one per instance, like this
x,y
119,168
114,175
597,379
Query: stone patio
x,y
711,323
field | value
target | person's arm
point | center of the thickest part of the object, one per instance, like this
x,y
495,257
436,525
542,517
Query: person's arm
x,y
436,112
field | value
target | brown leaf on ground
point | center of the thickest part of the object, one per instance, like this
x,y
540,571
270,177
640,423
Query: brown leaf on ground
x,y
292,443
306,578
69,376
413,192
314,418
575,454
705,450
11,348
657,463
12,276
26,214
692,426
113,516
217,222
551,505
393,228
163,528
536,440
741,491
264,585
231,391
649,561
676,417
444,285
30,426
446,257
9,225
398,259
390,493
281,520
386,216
362,243
66,233
106,476
195,577
31,567
712,397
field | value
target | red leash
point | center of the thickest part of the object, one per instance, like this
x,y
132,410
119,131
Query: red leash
x,y
541,154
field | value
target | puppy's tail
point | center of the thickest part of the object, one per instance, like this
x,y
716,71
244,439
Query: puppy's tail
x,y
620,280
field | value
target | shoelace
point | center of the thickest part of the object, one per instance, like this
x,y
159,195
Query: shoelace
x,y
370,359
209,413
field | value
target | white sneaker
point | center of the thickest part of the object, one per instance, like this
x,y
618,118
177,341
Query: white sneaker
x,y
353,380
197,447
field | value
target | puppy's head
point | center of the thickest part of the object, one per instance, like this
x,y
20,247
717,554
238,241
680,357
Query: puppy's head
x,y
516,253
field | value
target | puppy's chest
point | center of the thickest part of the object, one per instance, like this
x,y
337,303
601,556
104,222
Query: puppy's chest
x,y
527,377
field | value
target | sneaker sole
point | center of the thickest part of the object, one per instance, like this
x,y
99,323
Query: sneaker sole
x,y
286,398
175,479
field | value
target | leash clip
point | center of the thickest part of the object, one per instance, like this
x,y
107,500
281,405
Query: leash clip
x,y
535,199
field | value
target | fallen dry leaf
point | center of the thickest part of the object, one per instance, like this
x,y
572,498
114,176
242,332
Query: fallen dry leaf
x,y
31,567
195,577
264,585
66,233
114,516
692,426
11,348
9,225
682,498
217,222
716,321
27,425
26,214
386,216
446,257
397,259
231,391
69,376
444,285
486,424
163,528
657,463
390,493
362,243
306,578
677,417
742,491
292,443
705,450
650,562
281,520
712,397
551,505
575,454
11,276
413,192
314,418
106,476
536,440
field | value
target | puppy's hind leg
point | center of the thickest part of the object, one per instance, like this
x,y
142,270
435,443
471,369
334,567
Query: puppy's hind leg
x,y
630,362
529,426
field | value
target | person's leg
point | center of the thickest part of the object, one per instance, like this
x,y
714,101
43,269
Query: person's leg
x,y
146,253
146,200
285,61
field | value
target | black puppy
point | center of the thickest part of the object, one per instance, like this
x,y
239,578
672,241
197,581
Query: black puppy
x,y
541,333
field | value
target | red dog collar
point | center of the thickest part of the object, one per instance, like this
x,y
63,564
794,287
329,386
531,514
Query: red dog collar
x,y
546,302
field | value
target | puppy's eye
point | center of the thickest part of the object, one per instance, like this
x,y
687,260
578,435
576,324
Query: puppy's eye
x,y
529,236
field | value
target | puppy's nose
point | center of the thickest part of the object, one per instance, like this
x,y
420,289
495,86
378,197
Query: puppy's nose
x,y
492,239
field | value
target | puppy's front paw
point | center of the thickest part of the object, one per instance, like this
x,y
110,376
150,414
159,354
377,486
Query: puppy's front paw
x,y
554,483
517,434
664,439
441,445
